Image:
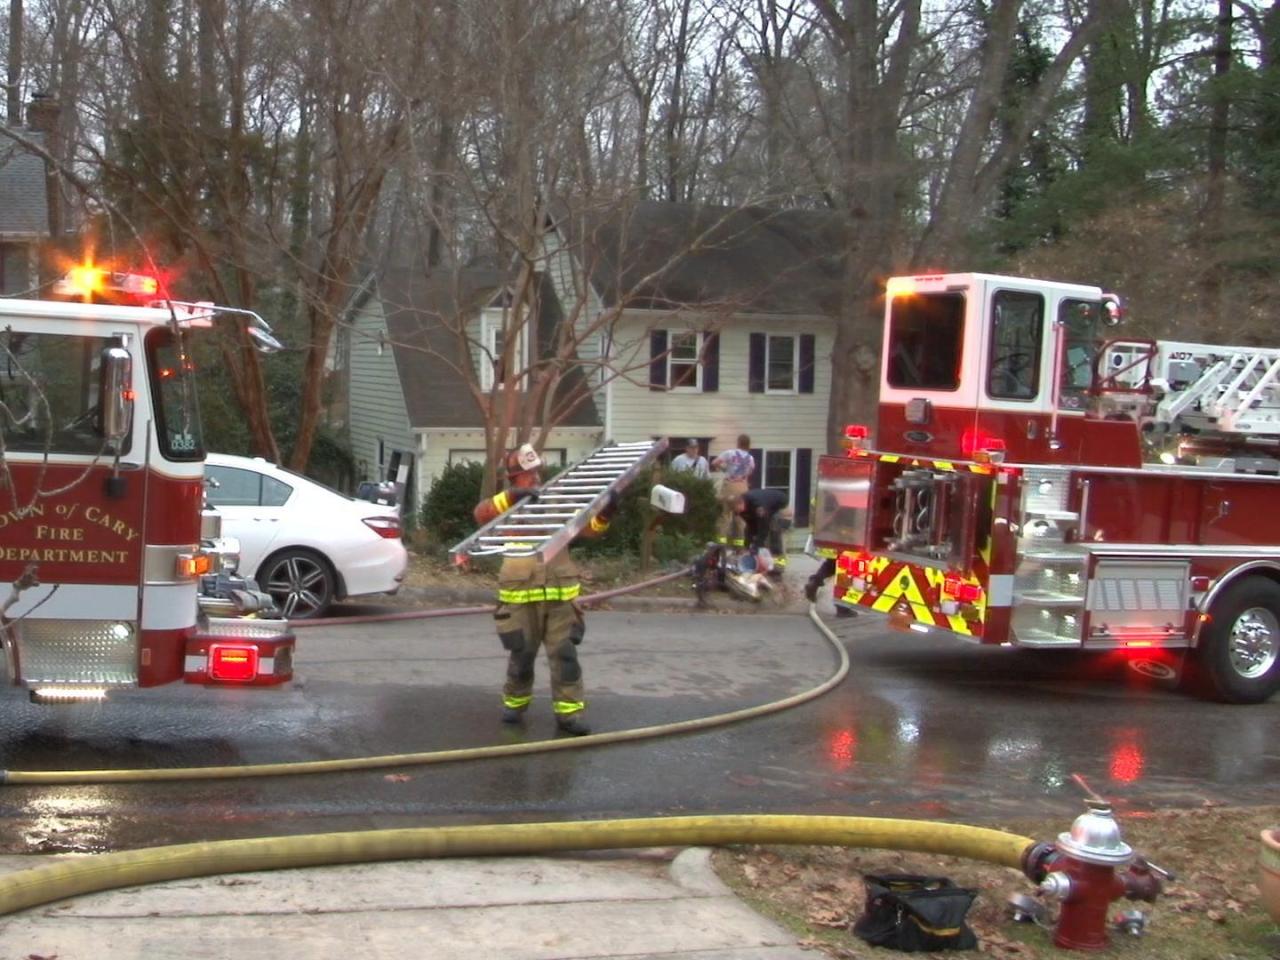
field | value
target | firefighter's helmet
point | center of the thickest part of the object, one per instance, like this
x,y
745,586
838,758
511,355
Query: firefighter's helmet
x,y
522,460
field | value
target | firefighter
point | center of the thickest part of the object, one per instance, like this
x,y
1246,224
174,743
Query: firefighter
x,y
765,514
536,608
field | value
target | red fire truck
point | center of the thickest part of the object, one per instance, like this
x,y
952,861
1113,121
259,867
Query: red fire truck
x,y
101,497
1036,485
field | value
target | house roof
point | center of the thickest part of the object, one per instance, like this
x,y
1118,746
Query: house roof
x,y
751,259
422,314
24,211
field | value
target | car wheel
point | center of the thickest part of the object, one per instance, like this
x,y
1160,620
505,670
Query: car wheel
x,y
300,582
1238,660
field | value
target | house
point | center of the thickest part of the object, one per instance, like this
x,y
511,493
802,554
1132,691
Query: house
x,y
411,410
24,216
687,321
723,322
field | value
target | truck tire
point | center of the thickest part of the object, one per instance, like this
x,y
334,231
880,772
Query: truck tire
x,y
1238,660
301,582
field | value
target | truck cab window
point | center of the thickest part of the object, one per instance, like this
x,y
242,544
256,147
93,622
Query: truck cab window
x,y
50,391
173,390
1017,327
1079,319
925,336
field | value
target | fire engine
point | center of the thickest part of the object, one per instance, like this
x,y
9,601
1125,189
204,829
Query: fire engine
x,y
1035,484
118,578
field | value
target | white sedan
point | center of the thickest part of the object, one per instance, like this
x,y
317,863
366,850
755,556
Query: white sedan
x,y
305,544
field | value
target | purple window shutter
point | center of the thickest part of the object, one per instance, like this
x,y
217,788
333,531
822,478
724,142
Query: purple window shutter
x,y
755,367
804,467
657,360
710,362
758,473
806,363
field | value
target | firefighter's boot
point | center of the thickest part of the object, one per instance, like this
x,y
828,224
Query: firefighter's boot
x,y
573,725
513,715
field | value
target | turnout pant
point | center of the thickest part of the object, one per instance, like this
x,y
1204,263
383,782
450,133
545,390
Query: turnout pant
x,y
523,628
730,527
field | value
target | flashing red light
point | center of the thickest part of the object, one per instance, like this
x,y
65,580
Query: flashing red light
x,y
387,527
855,436
958,588
854,565
233,662
128,395
977,443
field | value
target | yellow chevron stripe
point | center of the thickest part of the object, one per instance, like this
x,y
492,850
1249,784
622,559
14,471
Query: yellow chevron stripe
x,y
946,465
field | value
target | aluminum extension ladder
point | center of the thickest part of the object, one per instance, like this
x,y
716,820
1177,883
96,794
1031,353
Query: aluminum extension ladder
x,y
564,506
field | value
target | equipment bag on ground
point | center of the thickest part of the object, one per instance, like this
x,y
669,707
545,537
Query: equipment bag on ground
x,y
915,913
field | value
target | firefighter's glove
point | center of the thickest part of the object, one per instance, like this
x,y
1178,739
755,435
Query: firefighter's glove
x,y
577,631
516,494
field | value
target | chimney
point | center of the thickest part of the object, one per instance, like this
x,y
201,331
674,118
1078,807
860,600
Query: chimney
x,y
42,114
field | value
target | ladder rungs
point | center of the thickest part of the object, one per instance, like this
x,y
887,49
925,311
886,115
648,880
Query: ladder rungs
x,y
539,537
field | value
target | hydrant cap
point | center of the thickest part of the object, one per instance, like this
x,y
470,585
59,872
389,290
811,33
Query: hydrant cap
x,y
1095,838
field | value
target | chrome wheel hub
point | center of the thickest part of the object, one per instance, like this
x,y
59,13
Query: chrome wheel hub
x,y
1254,643
298,586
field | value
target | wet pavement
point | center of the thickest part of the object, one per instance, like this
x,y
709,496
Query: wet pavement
x,y
922,727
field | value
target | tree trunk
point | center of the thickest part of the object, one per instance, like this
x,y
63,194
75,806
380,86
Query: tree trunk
x,y
13,77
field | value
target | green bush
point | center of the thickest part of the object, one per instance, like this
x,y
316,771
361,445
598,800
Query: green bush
x,y
447,511
679,537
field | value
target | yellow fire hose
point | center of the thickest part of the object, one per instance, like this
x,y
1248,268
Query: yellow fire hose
x,y
29,888
25,777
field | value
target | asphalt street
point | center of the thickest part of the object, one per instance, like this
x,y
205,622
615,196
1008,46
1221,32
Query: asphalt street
x,y
922,727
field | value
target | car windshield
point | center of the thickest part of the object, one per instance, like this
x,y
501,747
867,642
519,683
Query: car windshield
x,y
324,486
50,391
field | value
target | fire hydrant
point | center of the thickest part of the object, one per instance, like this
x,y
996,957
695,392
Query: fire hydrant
x,y
1081,871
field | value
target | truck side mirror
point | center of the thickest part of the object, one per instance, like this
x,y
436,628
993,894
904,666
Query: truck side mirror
x,y
117,399
1112,309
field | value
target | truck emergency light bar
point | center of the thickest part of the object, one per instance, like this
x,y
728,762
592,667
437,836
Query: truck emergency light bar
x,y
90,283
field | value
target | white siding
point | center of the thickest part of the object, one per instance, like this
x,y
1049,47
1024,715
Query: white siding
x,y
377,403
772,420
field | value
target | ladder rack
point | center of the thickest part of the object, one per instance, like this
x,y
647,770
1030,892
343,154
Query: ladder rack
x,y
564,507
1214,389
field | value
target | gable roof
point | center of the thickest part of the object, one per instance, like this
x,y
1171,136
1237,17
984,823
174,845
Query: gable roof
x,y
753,259
24,210
422,312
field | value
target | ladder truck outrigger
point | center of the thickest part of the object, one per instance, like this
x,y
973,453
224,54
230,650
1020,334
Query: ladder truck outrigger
x,y
119,576
1036,485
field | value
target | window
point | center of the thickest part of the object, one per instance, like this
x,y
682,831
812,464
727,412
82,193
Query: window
x,y
245,488
1017,323
1079,319
780,364
173,387
925,338
683,369
776,470
493,343
50,385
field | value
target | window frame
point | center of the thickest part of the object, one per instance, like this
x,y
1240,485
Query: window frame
x,y
1036,343
492,323
763,467
795,363
893,334
699,342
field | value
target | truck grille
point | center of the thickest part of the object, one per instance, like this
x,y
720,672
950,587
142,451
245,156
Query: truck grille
x,y
77,651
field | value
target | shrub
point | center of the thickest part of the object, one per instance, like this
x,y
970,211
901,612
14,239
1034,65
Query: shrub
x,y
679,537
447,511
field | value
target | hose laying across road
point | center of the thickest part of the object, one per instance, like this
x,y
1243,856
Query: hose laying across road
x,y
25,777
109,871
590,600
